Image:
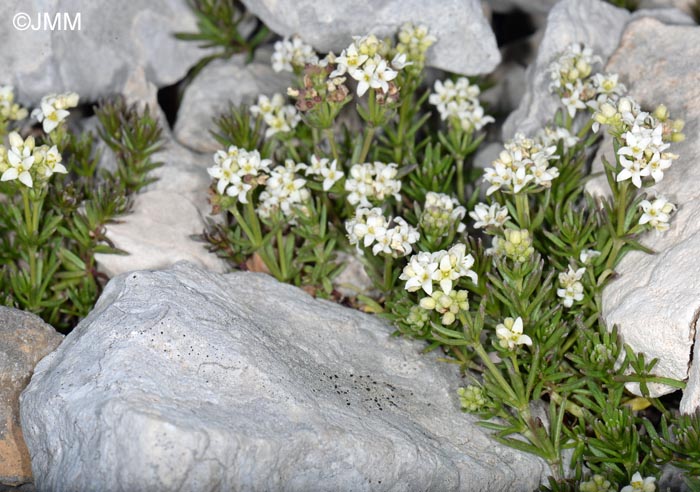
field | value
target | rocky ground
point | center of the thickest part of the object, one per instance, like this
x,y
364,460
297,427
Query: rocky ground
x,y
187,378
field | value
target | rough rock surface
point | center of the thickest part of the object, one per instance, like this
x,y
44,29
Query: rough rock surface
x,y
166,214
465,45
184,379
656,299
24,340
593,22
95,61
221,83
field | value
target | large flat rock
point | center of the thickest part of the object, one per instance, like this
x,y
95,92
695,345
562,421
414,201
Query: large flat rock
x,y
465,44
188,380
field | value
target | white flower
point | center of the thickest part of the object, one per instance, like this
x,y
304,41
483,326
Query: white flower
x,y
399,61
486,215
376,181
52,162
551,136
523,165
418,273
21,158
587,255
349,61
331,175
571,288
278,116
238,189
284,191
572,99
52,109
458,103
510,333
292,53
657,213
385,235
639,484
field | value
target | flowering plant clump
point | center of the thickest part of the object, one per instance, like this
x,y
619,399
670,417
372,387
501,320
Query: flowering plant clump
x,y
506,283
55,204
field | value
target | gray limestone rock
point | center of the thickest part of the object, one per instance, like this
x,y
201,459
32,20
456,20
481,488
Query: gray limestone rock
x,y
465,44
188,380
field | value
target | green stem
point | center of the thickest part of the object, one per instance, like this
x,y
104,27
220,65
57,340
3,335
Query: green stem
x,y
622,208
331,141
481,352
314,136
388,273
282,254
30,222
522,206
460,180
612,258
369,135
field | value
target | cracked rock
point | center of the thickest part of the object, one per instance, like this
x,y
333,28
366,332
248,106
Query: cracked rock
x,y
189,380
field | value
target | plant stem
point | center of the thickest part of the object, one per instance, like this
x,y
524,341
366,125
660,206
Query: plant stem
x,y
388,273
522,206
460,180
31,222
331,141
622,209
481,352
369,135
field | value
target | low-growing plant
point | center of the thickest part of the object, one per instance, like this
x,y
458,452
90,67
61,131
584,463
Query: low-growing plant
x,y
513,297
56,202
225,26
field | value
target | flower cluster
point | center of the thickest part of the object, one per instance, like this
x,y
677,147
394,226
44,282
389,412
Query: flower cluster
x,y
472,398
27,163
458,103
292,54
231,168
364,60
569,74
523,166
284,191
372,181
444,268
413,43
440,213
644,153
485,215
656,213
571,288
389,236
516,245
510,334
9,109
597,483
324,168
278,116
551,136
53,109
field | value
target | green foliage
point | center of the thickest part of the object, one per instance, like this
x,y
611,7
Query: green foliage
x,y
522,319
52,231
223,24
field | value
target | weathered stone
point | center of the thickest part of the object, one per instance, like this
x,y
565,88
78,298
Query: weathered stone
x,y
593,22
219,84
185,379
528,6
167,213
654,301
24,340
465,44
114,38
